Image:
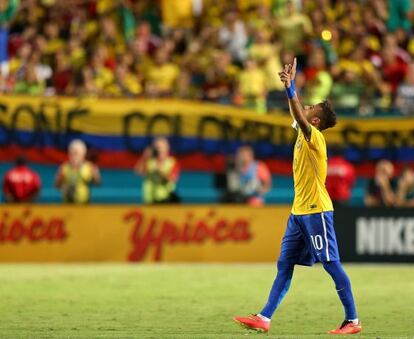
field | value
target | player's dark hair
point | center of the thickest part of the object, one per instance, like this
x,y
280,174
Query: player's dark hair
x,y
328,115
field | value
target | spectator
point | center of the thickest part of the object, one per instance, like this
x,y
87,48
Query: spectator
x,y
31,83
146,42
399,15
319,81
216,88
21,184
220,79
7,11
247,180
347,91
177,13
126,84
393,70
103,76
160,171
267,57
340,179
54,42
405,194
293,27
145,11
77,48
162,76
233,36
390,41
252,87
62,73
17,67
75,176
382,188
76,53
405,93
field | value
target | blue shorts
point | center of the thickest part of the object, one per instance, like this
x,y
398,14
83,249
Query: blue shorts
x,y
308,239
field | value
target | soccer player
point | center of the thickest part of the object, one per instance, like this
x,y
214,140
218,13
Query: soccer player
x,y
310,235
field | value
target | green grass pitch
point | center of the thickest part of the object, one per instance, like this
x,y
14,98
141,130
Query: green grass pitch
x,y
194,301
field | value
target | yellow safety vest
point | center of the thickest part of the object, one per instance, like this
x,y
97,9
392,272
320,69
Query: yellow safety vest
x,y
155,187
76,183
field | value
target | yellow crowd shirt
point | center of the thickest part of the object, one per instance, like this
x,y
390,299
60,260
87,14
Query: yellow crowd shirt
x,y
164,76
252,83
177,13
310,163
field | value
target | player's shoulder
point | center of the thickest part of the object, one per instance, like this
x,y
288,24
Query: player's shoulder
x,y
317,141
315,129
316,133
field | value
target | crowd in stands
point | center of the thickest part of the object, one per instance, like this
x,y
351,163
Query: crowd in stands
x,y
359,53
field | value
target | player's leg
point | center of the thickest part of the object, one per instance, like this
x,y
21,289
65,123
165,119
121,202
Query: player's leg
x,y
351,324
279,289
291,253
343,288
261,321
325,249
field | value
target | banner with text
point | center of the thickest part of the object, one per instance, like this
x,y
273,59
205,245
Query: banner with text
x,y
117,130
141,234
375,234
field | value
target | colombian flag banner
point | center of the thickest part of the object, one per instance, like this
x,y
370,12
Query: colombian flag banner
x,y
201,134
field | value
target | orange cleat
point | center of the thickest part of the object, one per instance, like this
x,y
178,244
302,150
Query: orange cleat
x,y
347,327
253,322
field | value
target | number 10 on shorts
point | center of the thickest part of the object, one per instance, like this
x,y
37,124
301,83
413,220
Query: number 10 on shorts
x,y
317,242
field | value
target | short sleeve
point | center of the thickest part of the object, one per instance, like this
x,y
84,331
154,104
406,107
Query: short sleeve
x,y
316,141
175,171
263,173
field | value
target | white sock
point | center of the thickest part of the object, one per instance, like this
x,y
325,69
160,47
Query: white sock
x,y
355,321
263,317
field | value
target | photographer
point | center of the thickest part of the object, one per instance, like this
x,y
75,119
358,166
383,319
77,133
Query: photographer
x,y
247,180
76,175
160,171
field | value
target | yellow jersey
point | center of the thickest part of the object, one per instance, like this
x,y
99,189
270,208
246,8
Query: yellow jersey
x,y
310,164
252,83
163,76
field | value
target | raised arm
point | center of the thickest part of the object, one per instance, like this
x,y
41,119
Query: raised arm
x,y
295,107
